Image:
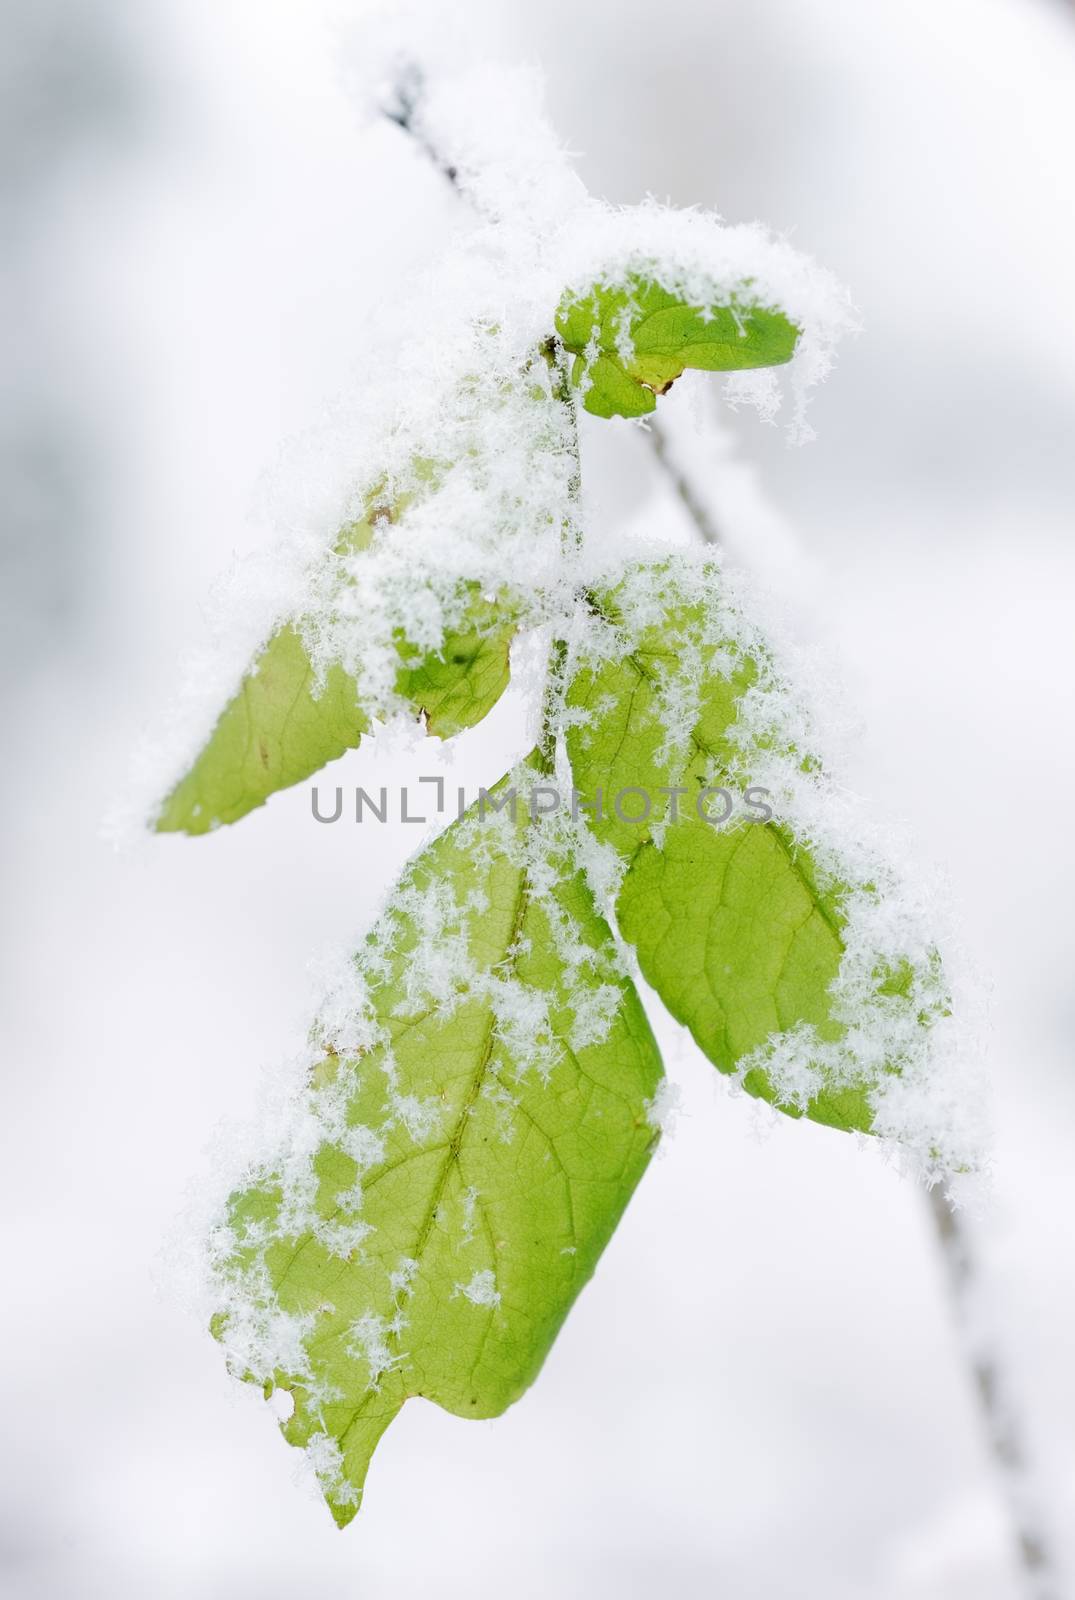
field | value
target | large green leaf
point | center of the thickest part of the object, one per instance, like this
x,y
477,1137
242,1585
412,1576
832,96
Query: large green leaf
x,y
631,341
285,723
734,925
467,1144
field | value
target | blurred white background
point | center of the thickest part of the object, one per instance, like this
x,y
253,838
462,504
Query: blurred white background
x,y
761,1395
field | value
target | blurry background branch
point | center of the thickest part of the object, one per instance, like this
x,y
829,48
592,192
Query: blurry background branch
x,y
1004,1427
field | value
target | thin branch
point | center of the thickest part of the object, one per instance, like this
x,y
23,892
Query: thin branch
x,y
681,484
401,106
995,1402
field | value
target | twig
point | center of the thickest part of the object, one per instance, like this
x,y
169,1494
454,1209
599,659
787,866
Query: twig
x,y
401,107
681,484
995,1402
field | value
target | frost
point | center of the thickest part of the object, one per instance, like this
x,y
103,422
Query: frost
x,y
422,1118
369,1337
699,259
459,462
483,1060
507,159
342,1239
261,1339
481,1290
594,1011
484,1037
665,1107
402,1280
901,1006
326,1459
760,389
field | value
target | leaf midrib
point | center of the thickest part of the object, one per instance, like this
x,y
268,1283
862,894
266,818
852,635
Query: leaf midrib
x,y
636,660
455,1143
774,829
462,1121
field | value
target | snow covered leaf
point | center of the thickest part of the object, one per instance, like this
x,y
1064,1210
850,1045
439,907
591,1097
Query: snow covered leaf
x,y
454,687
630,342
278,729
476,1118
287,721
783,958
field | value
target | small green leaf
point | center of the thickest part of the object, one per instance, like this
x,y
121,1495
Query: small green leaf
x,y
457,686
732,924
283,724
280,727
466,1146
630,342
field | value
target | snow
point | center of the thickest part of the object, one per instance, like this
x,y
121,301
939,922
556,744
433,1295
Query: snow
x,y
469,476
481,1290
453,432
930,1110
796,1279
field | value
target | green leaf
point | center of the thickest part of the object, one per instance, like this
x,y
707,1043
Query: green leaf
x,y
631,342
279,728
733,925
467,1143
455,687
283,724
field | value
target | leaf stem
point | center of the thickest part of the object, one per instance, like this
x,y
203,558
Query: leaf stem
x,y
571,534
552,705
402,106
